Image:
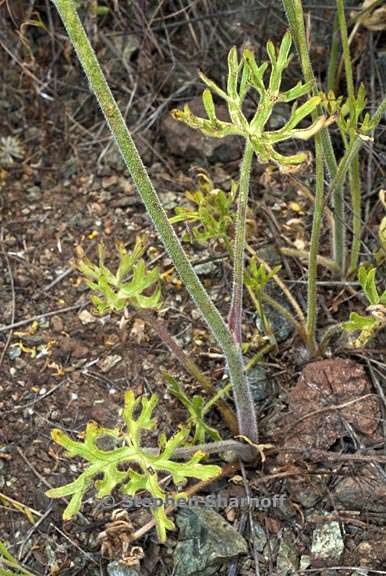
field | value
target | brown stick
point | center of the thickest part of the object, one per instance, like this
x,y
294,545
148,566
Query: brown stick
x,y
230,469
240,449
315,454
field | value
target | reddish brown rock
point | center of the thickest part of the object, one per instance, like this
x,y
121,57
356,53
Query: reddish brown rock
x,y
328,394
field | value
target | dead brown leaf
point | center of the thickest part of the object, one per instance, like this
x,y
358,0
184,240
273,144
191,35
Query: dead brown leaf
x,y
138,330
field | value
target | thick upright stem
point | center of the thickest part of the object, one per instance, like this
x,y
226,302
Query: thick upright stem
x,y
339,225
245,408
356,203
346,49
236,311
334,56
338,248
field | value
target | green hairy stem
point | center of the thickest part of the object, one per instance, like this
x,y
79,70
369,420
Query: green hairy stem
x,y
355,188
236,310
334,57
243,399
345,48
354,171
339,227
314,245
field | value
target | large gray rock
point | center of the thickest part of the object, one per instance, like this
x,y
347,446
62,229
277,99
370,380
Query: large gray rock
x,y
205,541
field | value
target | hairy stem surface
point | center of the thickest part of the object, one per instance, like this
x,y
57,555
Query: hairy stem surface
x,y
354,171
356,203
314,247
236,311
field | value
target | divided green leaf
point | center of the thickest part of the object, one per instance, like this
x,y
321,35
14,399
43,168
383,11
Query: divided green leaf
x,y
130,284
245,74
196,408
211,211
112,468
368,325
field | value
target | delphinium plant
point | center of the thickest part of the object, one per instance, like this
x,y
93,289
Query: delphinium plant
x,y
134,285
130,451
245,76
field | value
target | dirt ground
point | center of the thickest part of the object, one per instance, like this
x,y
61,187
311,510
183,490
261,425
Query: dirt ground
x,y
63,185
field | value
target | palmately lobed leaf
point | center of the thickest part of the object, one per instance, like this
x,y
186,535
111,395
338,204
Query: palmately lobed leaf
x,y
113,292
252,76
114,465
213,210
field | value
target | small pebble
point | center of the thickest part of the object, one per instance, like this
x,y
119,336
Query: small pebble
x,y
56,324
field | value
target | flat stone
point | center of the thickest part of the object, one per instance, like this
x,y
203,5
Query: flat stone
x,y
57,324
260,537
321,387
287,557
205,269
